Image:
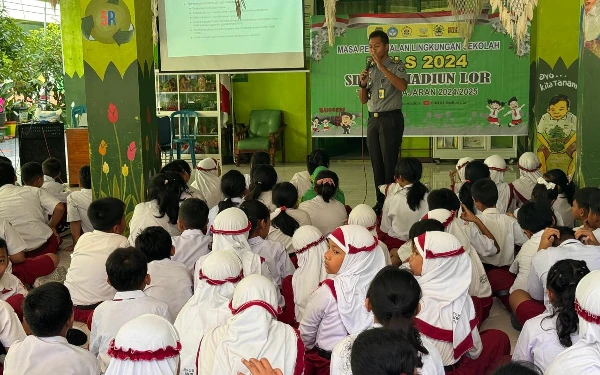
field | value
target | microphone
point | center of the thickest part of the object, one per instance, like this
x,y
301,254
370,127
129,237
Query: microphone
x,y
369,62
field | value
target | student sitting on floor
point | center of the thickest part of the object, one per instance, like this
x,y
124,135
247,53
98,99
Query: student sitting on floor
x,y
311,193
78,203
274,254
547,335
258,158
193,242
26,209
286,219
48,312
161,207
337,308
13,291
147,345
127,271
581,207
325,211
529,170
447,316
208,181
301,180
546,193
170,280
497,167
264,179
11,328
393,296
233,189
460,171
209,306
51,168
583,357
474,171
566,192
407,206
365,216
86,277
182,167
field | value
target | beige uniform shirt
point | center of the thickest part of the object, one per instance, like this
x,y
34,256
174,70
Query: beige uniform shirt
x,y
389,98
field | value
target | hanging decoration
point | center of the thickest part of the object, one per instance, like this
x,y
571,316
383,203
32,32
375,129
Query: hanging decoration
x,y
330,20
515,16
239,5
466,13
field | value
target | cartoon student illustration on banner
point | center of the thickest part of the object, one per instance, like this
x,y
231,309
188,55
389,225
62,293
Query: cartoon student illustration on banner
x,y
495,106
325,124
315,125
347,122
557,132
515,111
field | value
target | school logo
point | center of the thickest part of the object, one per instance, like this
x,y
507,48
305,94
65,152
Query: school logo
x,y
438,30
423,31
407,31
392,32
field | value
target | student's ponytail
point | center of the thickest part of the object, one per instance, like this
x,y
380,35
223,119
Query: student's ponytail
x,y
411,170
563,278
233,185
474,171
285,196
565,186
544,192
326,184
166,188
256,211
263,179
394,296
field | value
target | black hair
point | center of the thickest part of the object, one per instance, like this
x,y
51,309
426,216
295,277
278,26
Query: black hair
x,y
255,211
381,351
494,101
4,246
30,172
566,233
51,167
263,179
443,198
474,171
7,174
166,188
317,158
542,194
183,165
583,197
105,213
561,180
233,185
535,216
285,195
172,167
327,191
562,280
559,98
155,242
486,192
258,158
518,368
381,35
346,114
394,295
594,201
47,309
4,159
513,99
126,268
193,213
411,170
85,177
424,226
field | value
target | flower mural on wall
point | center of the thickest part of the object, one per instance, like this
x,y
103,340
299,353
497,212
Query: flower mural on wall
x,y
125,170
105,168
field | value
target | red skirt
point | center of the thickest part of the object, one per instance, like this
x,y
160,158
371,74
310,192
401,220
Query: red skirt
x,y
529,309
288,315
496,346
482,308
314,364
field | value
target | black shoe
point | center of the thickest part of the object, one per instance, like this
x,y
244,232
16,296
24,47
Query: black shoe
x,y
515,323
76,337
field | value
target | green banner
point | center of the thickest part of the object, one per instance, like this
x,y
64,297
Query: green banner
x,y
452,90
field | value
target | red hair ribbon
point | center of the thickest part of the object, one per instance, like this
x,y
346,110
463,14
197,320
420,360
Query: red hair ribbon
x,y
497,169
448,221
233,280
326,181
469,181
231,232
338,234
312,244
145,355
372,227
282,208
270,309
529,170
462,165
586,315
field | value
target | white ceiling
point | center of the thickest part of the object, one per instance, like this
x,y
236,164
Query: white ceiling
x,y
31,10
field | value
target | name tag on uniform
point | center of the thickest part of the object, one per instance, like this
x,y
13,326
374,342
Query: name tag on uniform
x,y
381,93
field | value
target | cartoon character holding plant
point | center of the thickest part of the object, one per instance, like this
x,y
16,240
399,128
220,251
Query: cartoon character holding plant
x,y
347,122
515,111
495,106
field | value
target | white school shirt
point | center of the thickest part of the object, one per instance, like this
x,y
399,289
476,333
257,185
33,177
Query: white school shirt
x,y
26,208
397,217
325,216
110,316
562,208
522,263
212,214
266,197
544,259
275,256
275,234
340,357
504,202
78,203
56,189
49,355
10,285
538,341
13,239
483,245
11,329
86,276
146,215
321,324
170,282
190,246
301,181
581,359
507,232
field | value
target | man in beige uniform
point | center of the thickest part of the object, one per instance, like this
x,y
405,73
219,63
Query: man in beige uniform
x,y
381,87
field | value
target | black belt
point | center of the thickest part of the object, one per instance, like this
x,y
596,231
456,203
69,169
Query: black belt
x,y
385,113
452,367
87,307
323,353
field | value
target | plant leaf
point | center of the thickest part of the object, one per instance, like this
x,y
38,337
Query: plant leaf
x,y
116,191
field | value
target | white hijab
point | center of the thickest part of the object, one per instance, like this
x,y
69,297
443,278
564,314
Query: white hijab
x,y
362,262
208,182
252,332
587,304
364,216
445,280
310,247
209,306
146,345
497,167
460,167
529,169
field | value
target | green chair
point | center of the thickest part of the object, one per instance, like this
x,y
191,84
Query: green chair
x,y
264,133
184,129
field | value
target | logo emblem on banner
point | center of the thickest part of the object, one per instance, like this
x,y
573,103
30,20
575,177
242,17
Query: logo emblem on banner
x,y
392,32
407,31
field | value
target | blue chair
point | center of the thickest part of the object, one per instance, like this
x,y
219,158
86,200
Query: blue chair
x,y
76,113
184,131
164,134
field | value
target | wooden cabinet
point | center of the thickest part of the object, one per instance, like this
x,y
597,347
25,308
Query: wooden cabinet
x,y
78,152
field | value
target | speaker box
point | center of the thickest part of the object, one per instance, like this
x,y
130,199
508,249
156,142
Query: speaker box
x,y
38,142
